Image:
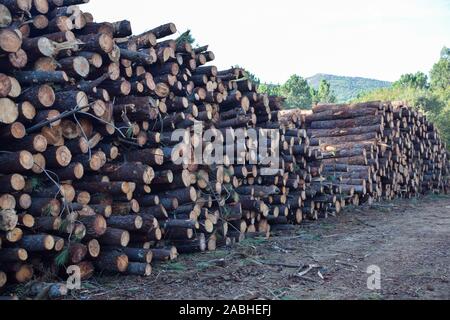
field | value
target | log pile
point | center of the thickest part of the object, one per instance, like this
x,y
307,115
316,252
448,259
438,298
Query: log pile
x,y
382,150
321,197
269,193
92,176
87,116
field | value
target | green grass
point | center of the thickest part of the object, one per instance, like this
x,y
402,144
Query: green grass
x,y
219,254
310,236
204,265
253,242
288,298
327,226
175,266
375,296
438,196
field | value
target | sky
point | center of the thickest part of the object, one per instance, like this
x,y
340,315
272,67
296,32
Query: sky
x,y
274,39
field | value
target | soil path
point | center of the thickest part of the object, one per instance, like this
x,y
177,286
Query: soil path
x,y
409,241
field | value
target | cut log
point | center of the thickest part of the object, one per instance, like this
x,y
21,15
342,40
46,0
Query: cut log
x,y
112,261
139,269
129,223
115,237
9,112
8,219
37,243
10,41
16,162
96,226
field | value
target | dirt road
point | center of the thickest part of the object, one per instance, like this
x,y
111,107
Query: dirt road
x,y
409,241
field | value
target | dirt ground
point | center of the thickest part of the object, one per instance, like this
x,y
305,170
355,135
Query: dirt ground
x,y
408,240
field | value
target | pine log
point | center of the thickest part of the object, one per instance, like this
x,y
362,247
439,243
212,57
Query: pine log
x,y
9,112
112,261
8,219
37,243
16,162
139,269
10,42
96,225
115,237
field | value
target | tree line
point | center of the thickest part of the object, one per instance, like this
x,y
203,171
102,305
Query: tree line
x,y
298,93
429,93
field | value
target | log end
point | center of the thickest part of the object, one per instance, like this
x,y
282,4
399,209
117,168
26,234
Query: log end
x,y
10,41
63,156
46,96
39,163
9,112
49,243
94,248
8,220
78,171
26,160
24,274
17,182
100,225
122,263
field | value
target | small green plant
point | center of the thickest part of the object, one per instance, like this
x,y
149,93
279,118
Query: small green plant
x,y
35,183
203,265
375,296
47,212
62,258
77,238
253,242
129,133
185,37
64,225
176,266
287,298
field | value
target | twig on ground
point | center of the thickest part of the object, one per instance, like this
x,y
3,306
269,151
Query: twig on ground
x,y
285,265
332,236
346,264
308,269
364,223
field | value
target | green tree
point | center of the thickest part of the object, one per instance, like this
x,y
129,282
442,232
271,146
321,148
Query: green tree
x,y
186,37
433,98
325,94
417,80
270,89
252,77
297,93
314,95
440,74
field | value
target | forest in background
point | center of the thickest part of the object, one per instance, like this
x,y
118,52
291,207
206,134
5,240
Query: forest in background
x,y
347,88
429,93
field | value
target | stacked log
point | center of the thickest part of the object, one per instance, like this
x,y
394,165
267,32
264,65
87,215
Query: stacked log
x,y
87,153
321,197
382,150
86,111
293,190
257,195
101,132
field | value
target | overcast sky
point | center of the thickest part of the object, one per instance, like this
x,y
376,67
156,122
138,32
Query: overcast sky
x,y
379,39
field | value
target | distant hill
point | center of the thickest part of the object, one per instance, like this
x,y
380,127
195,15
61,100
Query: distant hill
x,y
347,88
